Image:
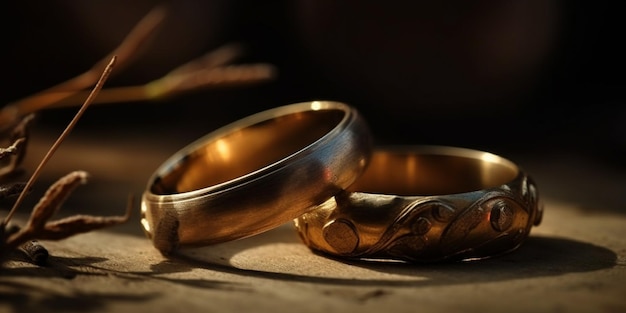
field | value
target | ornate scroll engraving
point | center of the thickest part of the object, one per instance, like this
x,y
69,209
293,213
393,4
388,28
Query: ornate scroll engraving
x,y
471,225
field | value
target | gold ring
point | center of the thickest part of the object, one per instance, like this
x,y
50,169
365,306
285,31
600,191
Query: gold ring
x,y
255,174
426,204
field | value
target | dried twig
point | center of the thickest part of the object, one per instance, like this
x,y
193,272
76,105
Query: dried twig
x,y
12,156
209,71
38,225
56,144
125,53
205,72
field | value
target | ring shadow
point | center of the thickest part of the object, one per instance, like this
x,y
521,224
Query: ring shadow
x,y
26,297
539,256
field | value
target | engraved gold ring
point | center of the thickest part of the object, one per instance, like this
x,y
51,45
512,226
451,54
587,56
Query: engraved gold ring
x,y
255,174
425,204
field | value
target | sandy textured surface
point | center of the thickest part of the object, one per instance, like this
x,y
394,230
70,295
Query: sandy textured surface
x,y
575,261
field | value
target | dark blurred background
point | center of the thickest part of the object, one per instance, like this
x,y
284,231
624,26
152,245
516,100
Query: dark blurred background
x,y
505,76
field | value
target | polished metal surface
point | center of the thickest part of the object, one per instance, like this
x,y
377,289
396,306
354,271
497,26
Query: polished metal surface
x,y
424,204
255,174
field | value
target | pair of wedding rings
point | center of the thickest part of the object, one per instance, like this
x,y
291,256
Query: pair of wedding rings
x,y
315,163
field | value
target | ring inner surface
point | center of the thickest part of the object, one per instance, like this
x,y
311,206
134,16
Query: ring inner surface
x,y
243,151
415,174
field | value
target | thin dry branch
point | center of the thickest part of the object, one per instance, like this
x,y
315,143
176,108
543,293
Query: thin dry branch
x,y
173,85
63,135
125,53
54,197
206,72
38,226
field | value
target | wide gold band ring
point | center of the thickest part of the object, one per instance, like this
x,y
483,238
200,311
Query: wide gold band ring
x,y
425,204
255,174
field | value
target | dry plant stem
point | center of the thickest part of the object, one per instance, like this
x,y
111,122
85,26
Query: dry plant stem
x,y
172,85
208,71
78,224
50,203
216,77
38,226
125,52
12,156
68,129
218,57
15,154
21,131
12,149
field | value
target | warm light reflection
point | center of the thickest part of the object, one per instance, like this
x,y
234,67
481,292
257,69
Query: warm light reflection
x,y
223,149
144,221
488,157
411,167
316,105
486,173
363,162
